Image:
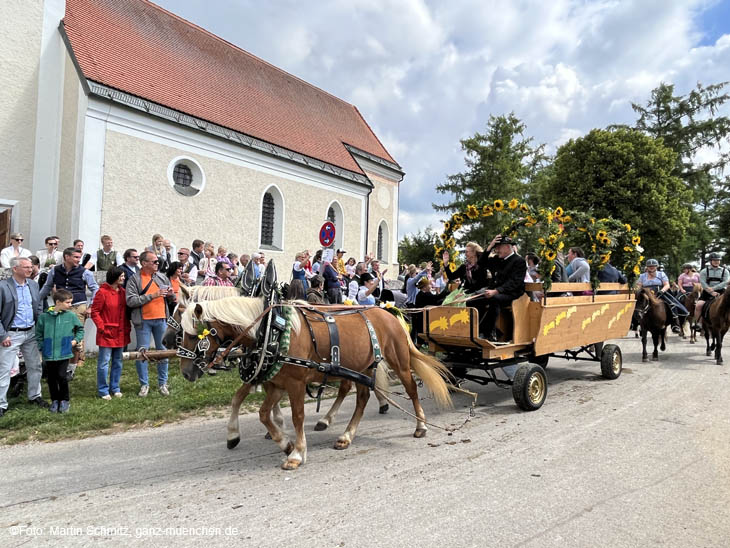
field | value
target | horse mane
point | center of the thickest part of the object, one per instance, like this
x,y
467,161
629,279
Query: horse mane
x,y
208,293
649,294
240,312
697,290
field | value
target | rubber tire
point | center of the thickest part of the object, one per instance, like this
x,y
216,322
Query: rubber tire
x,y
523,382
607,361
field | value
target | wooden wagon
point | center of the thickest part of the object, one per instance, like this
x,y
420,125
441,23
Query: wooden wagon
x,y
540,325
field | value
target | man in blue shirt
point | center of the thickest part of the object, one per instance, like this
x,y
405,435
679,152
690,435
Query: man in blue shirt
x,y
20,305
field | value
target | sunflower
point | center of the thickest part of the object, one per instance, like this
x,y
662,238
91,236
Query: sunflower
x,y
498,205
513,203
605,258
472,212
449,243
552,270
567,219
552,238
531,220
601,234
561,245
593,248
550,255
636,240
524,208
487,211
437,250
542,241
582,229
607,240
452,266
627,226
592,220
458,218
444,237
628,249
447,225
637,270
559,211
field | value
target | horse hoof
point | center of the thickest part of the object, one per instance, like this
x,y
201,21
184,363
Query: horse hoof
x,y
383,409
419,433
663,347
267,436
708,353
290,464
232,443
655,358
320,426
644,359
341,444
719,362
289,448
691,342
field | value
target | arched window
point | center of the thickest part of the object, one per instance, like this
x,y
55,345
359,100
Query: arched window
x,y
272,219
383,240
186,176
336,217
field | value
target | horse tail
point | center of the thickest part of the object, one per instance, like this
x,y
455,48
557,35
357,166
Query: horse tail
x,y
381,377
433,374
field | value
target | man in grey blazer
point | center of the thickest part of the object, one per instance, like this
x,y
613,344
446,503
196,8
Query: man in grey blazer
x,y
20,305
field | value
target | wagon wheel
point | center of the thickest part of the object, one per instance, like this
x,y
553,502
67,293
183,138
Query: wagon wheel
x,y
611,362
529,387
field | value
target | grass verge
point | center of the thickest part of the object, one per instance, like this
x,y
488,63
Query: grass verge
x,y
91,416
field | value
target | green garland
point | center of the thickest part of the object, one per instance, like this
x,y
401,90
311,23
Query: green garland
x,y
284,342
601,239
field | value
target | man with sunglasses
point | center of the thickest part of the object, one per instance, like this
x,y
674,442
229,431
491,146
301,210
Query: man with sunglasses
x,y
130,265
222,275
15,249
50,256
148,294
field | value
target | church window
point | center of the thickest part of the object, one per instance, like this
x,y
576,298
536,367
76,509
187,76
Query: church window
x,y
337,218
186,176
382,244
272,220
268,214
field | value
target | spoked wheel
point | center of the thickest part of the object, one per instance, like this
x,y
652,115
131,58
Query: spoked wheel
x,y
611,362
529,387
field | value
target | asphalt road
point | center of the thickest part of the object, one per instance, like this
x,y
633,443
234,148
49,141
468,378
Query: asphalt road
x,y
640,461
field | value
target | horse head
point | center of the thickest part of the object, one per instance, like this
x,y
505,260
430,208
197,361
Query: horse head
x,y
173,334
210,325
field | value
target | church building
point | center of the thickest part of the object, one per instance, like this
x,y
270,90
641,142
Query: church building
x,y
118,117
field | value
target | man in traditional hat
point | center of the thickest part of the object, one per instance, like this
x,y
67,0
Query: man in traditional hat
x,y
508,279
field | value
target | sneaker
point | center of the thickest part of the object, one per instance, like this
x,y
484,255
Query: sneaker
x,y
106,397
143,391
40,402
212,372
54,406
164,391
64,406
118,394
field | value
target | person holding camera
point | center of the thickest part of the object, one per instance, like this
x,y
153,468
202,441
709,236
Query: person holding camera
x,y
148,294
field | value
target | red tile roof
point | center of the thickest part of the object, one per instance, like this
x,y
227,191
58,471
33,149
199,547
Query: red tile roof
x,y
141,49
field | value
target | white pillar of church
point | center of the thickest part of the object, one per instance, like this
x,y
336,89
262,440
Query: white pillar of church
x,y
48,126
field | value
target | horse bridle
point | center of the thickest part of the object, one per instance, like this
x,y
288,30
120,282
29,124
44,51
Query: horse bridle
x,y
201,349
176,327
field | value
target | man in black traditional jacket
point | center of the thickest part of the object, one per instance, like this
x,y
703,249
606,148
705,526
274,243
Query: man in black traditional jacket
x,y
508,279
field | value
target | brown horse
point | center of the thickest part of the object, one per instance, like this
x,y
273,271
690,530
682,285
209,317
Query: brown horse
x,y
690,301
716,323
173,335
226,319
651,314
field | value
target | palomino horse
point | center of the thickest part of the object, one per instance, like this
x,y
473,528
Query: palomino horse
x,y
173,336
214,322
689,302
716,322
652,317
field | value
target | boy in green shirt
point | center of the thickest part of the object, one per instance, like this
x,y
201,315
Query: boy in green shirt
x,y
58,332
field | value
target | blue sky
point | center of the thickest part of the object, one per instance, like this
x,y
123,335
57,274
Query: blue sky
x,y
426,73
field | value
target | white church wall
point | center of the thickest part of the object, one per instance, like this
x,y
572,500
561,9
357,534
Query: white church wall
x,y
22,22
138,200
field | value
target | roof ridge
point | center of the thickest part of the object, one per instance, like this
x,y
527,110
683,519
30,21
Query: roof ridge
x,y
215,36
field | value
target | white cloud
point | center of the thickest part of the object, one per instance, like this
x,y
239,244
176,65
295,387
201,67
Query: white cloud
x,y
426,73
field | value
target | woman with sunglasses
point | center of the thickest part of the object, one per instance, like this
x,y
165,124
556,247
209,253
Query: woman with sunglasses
x,y
15,249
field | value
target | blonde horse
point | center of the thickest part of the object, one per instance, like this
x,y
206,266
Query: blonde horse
x,y
226,319
198,293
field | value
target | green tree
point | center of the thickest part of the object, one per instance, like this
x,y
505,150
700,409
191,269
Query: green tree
x,y
690,124
500,163
417,248
626,175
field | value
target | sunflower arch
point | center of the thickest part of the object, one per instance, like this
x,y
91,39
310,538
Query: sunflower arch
x,y
602,239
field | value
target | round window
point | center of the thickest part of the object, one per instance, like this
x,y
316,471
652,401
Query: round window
x,y
186,176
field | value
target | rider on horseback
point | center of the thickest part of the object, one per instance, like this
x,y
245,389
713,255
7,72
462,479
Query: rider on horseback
x,y
714,280
657,281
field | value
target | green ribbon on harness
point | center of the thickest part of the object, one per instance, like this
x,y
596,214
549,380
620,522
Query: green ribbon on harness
x,y
284,342
377,354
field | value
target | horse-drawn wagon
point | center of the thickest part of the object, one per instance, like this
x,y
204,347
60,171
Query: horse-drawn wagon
x,y
572,327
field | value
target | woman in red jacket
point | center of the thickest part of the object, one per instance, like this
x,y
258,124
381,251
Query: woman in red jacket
x,y
109,313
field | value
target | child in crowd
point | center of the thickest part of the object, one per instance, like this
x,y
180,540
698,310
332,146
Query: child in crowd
x,y
58,331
